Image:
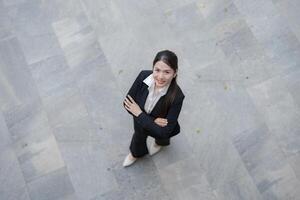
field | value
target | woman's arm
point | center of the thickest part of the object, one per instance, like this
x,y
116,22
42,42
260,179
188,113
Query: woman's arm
x,y
154,129
134,89
135,86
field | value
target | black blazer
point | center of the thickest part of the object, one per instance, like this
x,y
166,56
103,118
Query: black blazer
x,y
144,123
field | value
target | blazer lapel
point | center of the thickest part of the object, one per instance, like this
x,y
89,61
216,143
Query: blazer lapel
x,y
156,110
144,95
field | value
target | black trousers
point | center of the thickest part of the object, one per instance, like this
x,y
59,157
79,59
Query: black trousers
x,y
138,145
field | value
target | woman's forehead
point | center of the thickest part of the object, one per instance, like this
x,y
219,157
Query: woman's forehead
x,y
162,66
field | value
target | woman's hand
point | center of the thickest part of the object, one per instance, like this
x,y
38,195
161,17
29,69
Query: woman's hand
x,y
132,106
161,122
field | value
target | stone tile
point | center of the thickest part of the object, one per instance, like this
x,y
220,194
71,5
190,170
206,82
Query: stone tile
x,y
5,23
292,84
49,11
219,158
99,97
186,178
222,17
179,149
111,195
153,192
169,5
33,141
254,148
239,112
185,20
255,69
25,119
285,126
283,63
143,178
92,161
5,139
198,191
253,10
279,184
242,188
32,24
87,68
69,197
283,43
274,100
144,10
37,48
241,42
290,13
65,107
12,184
269,28
266,164
30,17
38,154
63,9
13,2
221,71
55,185
294,162
81,130
213,8
51,75
202,54
77,39
18,86
268,92
103,102
105,16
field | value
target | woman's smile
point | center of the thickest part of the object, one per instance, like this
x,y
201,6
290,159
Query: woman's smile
x,y
160,82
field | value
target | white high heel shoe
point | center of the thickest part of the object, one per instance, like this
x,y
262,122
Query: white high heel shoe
x,y
129,160
154,148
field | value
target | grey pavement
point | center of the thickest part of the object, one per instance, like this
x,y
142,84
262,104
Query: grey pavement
x,y
66,65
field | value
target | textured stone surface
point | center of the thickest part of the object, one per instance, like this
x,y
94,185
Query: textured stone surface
x,y
65,67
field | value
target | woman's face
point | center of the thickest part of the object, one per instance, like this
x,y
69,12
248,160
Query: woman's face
x,y
162,74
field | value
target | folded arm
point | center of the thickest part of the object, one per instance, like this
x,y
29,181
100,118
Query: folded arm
x,y
157,131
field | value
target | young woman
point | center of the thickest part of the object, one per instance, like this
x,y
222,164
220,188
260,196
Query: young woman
x,y
154,100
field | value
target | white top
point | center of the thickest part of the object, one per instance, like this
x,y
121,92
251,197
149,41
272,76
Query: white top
x,y
154,95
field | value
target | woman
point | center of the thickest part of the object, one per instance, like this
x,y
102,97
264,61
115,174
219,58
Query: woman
x,y
154,100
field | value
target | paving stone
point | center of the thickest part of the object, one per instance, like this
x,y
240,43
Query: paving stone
x,y
5,139
17,83
55,185
66,66
92,162
65,106
242,188
12,184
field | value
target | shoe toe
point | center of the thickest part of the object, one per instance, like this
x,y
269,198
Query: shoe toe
x,y
127,162
154,149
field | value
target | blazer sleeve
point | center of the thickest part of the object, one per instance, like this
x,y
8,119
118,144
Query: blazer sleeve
x,y
135,86
134,89
156,131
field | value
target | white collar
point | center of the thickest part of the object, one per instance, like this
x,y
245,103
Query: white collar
x,y
150,82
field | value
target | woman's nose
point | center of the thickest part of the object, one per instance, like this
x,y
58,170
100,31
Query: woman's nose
x,y
160,75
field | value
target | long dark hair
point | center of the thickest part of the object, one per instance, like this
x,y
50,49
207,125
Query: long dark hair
x,y
169,58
